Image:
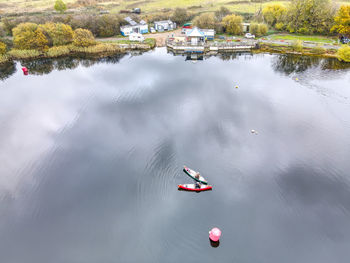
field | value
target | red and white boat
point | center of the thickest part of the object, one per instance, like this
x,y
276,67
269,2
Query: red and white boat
x,y
192,187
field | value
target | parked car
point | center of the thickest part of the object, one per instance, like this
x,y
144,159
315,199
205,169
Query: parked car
x,y
248,35
136,11
344,40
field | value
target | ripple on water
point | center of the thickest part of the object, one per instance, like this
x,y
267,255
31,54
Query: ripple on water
x,y
158,178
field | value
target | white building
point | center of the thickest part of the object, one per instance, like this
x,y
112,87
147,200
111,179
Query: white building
x,y
165,25
195,36
136,37
209,33
246,27
134,27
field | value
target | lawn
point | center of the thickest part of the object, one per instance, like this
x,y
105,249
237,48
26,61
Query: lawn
x,y
147,6
321,39
21,6
148,41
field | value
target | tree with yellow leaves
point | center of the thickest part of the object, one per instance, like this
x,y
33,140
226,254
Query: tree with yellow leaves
x,y
274,13
83,38
233,24
342,20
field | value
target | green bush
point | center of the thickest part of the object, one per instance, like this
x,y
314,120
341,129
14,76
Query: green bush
x,y
343,53
258,29
297,45
58,51
60,6
83,38
3,48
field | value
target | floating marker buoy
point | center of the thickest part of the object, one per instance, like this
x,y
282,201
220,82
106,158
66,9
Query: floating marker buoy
x,y
25,71
254,131
215,234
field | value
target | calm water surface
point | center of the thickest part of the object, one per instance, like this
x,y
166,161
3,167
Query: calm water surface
x,y
91,154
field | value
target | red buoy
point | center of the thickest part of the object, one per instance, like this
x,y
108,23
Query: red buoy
x,y
25,71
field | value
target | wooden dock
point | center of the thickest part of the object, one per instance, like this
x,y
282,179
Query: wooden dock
x,y
211,47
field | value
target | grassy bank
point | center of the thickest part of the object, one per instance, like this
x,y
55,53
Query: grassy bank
x,y
319,39
283,49
100,49
151,42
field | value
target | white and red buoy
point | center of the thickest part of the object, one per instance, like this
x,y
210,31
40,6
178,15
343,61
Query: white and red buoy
x,y
215,234
25,71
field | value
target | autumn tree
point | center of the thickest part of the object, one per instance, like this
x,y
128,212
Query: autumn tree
x,y
23,35
57,33
310,16
233,24
60,6
205,20
221,13
2,48
39,41
273,13
83,38
180,16
108,25
342,20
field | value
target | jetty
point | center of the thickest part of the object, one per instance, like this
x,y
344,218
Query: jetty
x,y
209,47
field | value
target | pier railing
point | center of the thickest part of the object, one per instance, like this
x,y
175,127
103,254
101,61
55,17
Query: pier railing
x,y
233,44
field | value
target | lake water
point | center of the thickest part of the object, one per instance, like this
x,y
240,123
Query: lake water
x,y
92,151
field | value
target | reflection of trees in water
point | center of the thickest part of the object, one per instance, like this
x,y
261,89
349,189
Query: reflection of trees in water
x,y
66,63
334,64
227,56
39,66
235,55
45,66
289,64
7,69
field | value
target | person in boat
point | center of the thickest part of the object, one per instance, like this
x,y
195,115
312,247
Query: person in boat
x,y
197,175
198,185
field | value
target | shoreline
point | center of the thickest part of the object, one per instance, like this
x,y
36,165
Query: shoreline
x,y
304,51
101,49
